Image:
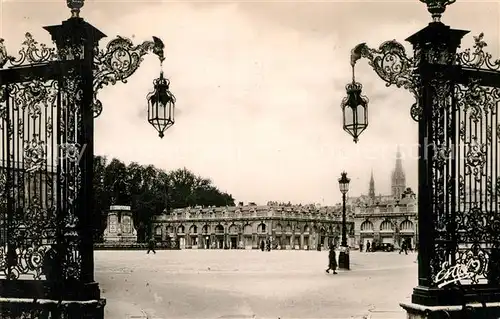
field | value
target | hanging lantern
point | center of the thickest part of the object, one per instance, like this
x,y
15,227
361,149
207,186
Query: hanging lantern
x,y
355,110
161,106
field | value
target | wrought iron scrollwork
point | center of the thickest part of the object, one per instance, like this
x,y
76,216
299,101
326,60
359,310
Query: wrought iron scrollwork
x,y
389,61
31,52
478,58
119,61
465,116
392,64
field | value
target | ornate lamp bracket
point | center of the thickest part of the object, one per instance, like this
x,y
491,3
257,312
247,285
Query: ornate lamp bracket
x,y
392,64
119,61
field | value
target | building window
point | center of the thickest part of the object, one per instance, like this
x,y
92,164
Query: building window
x,y
219,229
205,229
194,229
233,229
386,225
262,228
406,225
158,230
367,226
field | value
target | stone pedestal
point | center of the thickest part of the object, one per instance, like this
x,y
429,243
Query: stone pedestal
x,y
120,225
473,310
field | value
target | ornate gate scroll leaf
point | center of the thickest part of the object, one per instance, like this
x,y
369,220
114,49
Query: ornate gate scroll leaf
x,y
120,60
31,52
478,58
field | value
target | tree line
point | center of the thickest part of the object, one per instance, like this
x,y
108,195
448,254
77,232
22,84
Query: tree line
x,y
149,191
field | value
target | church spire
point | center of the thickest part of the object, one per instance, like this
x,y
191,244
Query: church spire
x,y
398,182
371,189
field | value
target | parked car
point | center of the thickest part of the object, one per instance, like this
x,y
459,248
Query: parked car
x,y
384,247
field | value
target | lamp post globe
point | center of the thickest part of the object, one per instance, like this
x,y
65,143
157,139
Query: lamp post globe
x,y
344,262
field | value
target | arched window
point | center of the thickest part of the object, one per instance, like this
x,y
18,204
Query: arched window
x,y
248,229
406,225
170,230
157,230
288,228
278,227
205,229
306,228
261,228
386,226
180,229
219,229
193,229
233,229
367,226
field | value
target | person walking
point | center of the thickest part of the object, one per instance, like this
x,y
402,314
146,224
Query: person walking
x,y
268,244
361,246
368,246
332,260
262,245
151,245
403,248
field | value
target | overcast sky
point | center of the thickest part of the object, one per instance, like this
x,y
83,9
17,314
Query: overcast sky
x,y
259,86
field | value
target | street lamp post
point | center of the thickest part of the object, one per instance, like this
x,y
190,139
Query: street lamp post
x,y
344,248
48,102
457,100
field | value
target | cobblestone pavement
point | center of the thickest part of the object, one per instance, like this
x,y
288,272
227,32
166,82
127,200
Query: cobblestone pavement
x,y
252,284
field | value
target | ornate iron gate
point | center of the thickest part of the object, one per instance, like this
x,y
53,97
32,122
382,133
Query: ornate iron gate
x,y
46,154
40,169
457,96
459,180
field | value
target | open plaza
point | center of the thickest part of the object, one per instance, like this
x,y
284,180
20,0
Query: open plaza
x,y
252,284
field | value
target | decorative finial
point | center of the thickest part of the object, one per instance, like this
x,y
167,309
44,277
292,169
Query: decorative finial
x,y
158,48
75,6
437,7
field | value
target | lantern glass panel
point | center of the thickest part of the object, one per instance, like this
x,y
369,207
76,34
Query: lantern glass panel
x,y
344,187
348,116
360,114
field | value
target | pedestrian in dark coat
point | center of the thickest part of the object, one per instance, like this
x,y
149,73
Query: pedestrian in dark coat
x,y
332,260
262,245
151,245
268,245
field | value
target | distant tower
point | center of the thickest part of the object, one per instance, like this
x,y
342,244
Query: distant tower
x,y
371,190
398,181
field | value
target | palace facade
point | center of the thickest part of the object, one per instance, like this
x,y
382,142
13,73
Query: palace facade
x,y
245,227
387,218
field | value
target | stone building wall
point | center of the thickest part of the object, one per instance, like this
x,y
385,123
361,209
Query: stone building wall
x,y
244,227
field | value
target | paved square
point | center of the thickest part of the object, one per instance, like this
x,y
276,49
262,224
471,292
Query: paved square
x,y
249,283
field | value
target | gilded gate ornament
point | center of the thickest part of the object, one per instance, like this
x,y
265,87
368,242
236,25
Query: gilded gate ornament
x,y
478,58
